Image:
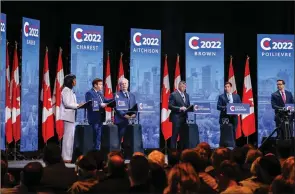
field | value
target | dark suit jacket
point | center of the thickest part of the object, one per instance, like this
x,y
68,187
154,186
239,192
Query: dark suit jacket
x,y
277,100
112,185
175,102
119,117
221,105
95,116
58,177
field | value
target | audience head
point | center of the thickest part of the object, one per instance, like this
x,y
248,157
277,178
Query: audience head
x,y
280,185
158,177
32,174
138,154
252,155
206,147
218,156
267,169
288,169
238,156
97,155
196,157
157,157
228,171
86,167
116,166
52,154
182,179
173,158
113,153
138,170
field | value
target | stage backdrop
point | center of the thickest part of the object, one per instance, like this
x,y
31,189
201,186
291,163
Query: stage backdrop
x,y
205,79
275,60
2,80
145,71
30,84
86,59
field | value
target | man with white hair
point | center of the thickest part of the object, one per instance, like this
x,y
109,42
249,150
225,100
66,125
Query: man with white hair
x,y
121,118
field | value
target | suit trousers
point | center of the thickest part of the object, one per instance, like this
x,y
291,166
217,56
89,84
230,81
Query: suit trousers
x,y
121,128
176,127
68,140
97,135
233,121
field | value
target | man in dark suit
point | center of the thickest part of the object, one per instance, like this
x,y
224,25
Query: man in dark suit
x,y
121,118
223,99
178,103
279,99
96,118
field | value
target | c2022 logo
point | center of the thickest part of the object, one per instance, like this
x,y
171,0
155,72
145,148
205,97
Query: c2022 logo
x,y
267,44
195,43
79,36
30,30
139,39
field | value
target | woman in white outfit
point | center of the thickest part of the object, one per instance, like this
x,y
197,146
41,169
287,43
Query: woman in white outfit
x,y
68,108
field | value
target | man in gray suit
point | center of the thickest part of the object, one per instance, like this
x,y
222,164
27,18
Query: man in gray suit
x,y
178,103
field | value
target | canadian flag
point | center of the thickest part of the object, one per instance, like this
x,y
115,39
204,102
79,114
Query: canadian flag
x,y
8,124
165,112
56,98
47,114
232,80
177,77
121,72
108,89
15,87
248,120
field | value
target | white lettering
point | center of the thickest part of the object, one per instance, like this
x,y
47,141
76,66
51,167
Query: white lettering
x,y
31,42
205,53
87,47
145,50
276,54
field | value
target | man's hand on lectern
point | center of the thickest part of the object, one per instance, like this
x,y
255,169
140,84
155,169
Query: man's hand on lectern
x,y
81,104
127,116
182,108
103,105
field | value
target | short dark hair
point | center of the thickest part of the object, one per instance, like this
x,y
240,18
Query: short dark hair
x,y
181,82
139,169
52,154
228,83
32,174
87,163
68,80
95,81
281,81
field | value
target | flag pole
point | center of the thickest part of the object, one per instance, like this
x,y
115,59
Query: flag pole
x,y
253,100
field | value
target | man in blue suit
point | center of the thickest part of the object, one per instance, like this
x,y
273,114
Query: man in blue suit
x,y
96,118
121,118
279,99
223,99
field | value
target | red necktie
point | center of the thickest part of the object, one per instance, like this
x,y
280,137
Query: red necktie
x,y
284,97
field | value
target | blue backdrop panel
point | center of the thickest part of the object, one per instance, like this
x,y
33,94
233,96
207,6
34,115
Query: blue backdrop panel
x,y
30,84
86,59
145,71
275,60
205,79
2,79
